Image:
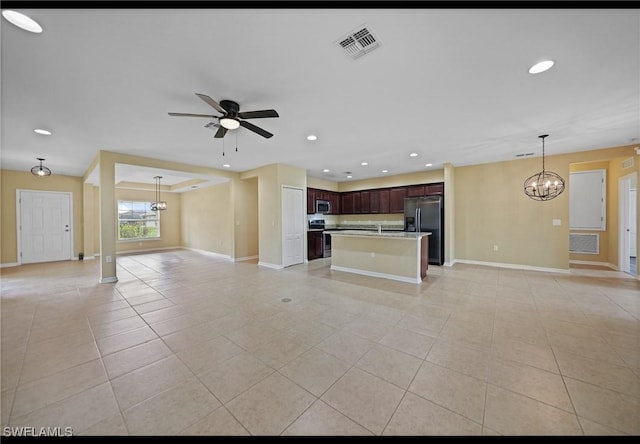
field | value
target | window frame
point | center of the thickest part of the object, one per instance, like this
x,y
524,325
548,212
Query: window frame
x,y
132,204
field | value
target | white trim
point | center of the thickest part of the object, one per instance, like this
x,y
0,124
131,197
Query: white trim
x,y
268,265
514,266
109,280
89,258
208,253
602,264
145,250
450,264
9,264
623,212
246,258
379,275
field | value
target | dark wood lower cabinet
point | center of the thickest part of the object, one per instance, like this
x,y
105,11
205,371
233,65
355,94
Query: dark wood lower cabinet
x,y
315,248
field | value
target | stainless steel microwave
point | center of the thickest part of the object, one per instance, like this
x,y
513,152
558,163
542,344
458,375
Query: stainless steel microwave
x,y
323,206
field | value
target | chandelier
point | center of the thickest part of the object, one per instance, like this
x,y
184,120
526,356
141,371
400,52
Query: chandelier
x,y
544,185
158,205
39,170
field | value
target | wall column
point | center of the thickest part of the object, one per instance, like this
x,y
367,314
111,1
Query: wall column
x,y
108,226
449,214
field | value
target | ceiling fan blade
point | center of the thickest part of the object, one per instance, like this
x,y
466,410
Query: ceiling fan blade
x,y
258,114
193,115
255,129
220,133
212,103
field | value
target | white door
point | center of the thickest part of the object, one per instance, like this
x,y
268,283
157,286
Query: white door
x,y
44,226
293,215
632,223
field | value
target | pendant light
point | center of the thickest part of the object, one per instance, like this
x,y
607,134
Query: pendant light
x,y
544,185
158,205
39,170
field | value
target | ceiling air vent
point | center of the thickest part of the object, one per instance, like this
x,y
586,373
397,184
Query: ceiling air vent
x,y
359,42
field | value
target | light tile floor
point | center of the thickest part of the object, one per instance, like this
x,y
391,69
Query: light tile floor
x,y
191,344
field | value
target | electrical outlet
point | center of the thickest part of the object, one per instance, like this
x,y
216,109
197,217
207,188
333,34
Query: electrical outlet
x,y
373,254
495,248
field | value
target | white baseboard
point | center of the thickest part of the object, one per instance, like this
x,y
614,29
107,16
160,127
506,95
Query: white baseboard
x,y
601,264
246,258
109,280
513,266
378,275
89,258
268,265
9,264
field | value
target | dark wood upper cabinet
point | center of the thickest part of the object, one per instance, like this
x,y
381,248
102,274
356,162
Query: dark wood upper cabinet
x,y
357,202
365,201
434,189
334,198
374,201
346,203
385,201
415,190
311,200
396,199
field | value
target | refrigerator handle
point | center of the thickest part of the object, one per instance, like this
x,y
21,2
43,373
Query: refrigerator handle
x,y
419,223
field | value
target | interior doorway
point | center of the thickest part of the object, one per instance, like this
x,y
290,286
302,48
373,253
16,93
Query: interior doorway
x,y
628,224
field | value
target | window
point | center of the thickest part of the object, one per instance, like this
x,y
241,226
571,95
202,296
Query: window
x,y
137,221
587,200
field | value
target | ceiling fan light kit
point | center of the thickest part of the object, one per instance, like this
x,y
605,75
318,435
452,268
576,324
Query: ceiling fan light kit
x,y
231,117
545,185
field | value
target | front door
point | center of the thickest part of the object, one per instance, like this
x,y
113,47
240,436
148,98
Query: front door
x,y
44,226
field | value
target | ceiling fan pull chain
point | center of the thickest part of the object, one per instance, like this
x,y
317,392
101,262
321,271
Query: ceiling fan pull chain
x,y
236,141
223,147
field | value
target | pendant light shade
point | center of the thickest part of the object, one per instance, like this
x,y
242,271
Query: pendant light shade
x,y
158,205
544,185
40,170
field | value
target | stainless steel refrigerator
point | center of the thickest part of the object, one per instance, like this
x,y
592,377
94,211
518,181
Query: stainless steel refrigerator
x,y
427,214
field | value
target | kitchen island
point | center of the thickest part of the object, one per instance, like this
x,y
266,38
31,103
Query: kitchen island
x,y
399,256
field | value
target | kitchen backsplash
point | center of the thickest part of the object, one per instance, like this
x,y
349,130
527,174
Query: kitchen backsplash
x,y
388,221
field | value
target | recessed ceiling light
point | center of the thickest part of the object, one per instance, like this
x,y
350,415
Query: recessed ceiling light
x,y
226,165
42,131
385,171
325,170
364,163
413,155
349,177
22,21
312,137
541,67
428,164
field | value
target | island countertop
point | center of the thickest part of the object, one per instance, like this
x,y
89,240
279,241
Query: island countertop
x,y
385,234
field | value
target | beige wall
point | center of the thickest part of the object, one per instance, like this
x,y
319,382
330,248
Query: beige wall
x,y
321,184
206,219
492,209
13,180
245,197
169,221
393,181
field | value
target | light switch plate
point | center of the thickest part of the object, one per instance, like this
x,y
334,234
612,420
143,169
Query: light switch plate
x,y
557,222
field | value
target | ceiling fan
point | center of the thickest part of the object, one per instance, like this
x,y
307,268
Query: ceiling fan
x,y
231,117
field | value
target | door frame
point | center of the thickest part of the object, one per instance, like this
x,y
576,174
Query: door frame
x,y
18,221
303,219
624,183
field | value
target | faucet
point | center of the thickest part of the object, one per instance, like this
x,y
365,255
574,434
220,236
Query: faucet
x,y
379,228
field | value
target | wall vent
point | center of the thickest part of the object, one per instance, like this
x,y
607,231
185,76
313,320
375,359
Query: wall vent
x,y
588,243
359,42
627,163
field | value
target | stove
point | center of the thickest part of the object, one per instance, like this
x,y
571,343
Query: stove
x,y
316,224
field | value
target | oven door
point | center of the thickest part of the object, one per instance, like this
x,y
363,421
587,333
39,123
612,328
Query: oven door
x,y
327,244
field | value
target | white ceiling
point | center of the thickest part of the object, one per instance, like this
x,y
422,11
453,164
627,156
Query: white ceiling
x,y
449,84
